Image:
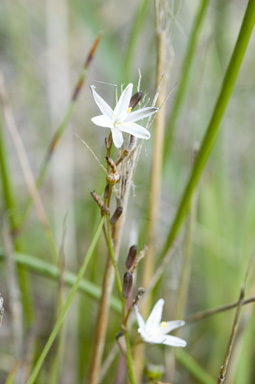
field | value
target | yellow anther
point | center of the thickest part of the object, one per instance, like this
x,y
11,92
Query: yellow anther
x,y
129,109
163,324
114,116
133,124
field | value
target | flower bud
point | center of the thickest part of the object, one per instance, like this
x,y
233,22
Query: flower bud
x,y
116,215
131,256
127,284
100,203
135,99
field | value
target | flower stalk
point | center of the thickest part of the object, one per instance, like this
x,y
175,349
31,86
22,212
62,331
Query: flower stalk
x,y
119,120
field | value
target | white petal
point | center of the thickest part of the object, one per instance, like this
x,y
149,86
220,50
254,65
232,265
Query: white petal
x,y
174,341
102,121
117,137
140,320
141,114
170,325
102,105
155,316
135,130
121,108
146,338
162,339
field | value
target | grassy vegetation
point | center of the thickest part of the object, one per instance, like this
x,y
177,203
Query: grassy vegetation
x,y
188,192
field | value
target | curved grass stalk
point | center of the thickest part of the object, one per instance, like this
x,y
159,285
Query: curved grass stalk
x,y
66,305
47,269
214,124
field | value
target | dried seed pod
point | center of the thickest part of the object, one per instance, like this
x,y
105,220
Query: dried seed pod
x,y
112,164
135,99
131,256
100,202
127,284
116,215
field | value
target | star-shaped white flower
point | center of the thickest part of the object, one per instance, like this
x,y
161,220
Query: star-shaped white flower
x,y
154,331
121,119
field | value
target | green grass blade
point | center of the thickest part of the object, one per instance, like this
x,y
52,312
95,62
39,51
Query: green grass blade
x,y
214,124
47,269
11,208
137,26
195,370
66,305
176,107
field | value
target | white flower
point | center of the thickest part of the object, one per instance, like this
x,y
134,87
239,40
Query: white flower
x,y
121,119
154,331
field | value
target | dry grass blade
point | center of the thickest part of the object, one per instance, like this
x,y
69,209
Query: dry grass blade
x,y
224,367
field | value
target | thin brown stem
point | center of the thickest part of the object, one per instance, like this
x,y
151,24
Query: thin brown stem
x,y
240,302
210,312
224,367
126,168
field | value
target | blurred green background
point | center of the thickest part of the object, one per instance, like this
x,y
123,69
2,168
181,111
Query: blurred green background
x,y
43,46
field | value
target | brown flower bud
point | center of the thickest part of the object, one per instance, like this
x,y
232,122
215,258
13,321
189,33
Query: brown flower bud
x,y
127,284
135,99
131,256
116,215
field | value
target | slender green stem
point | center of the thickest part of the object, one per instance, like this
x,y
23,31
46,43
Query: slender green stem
x,y
214,124
12,211
66,305
184,78
119,286
129,359
186,265
111,252
8,192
